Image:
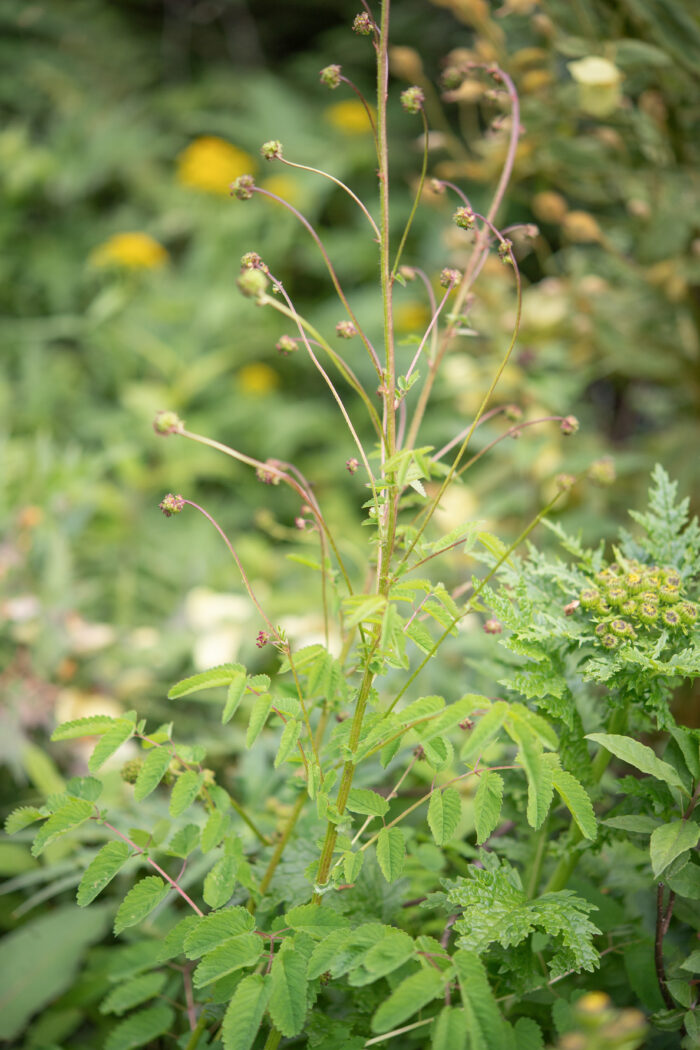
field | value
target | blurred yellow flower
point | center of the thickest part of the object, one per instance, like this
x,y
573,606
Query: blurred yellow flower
x,y
285,186
349,116
257,378
211,164
411,317
133,251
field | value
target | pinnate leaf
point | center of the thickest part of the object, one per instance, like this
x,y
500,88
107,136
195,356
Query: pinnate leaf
x,y
411,995
444,812
101,870
288,990
71,815
487,804
288,741
184,792
140,902
245,1012
391,851
152,772
141,1028
318,922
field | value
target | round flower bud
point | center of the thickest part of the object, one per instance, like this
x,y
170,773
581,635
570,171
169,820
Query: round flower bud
x,y
408,273
688,612
601,629
330,76
588,597
602,472
671,618
493,626
252,261
648,613
449,277
622,629
272,150
266,475
601,607
362,24
671,578
352,465
629,608
167,423
300,523
569,425
565,482
243,187
617,594
345,330
505,250
130,770
452,78
437,186
171,504
669,594
252,283
286,345
513,412
634,581
609,641
464,218
412,99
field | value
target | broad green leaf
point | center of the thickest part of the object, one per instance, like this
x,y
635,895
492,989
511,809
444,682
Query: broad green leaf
x,y
452,716
669,841
95,725
140,902
449,1031
692,963
101,870
89,788
362,800
391,952
686,883
638,755
576,799
288,990
174,941
483,1018
352,865
132,993
214,830
141,1028
152,772
220,882
638,823
391,851
233,954
528,1034
21,818
487,804
422,708
411,995
288,741
485,730
184,841
212,930
444,813
318,922
258,716
245,1012
185,790
342,950
121,731
210,679
234,695
71,815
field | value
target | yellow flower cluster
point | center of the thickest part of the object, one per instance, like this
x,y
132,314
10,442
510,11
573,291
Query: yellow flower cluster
x,y
211,164
349,116
132,251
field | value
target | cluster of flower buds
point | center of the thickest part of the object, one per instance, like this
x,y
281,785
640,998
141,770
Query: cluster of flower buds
x,y
464,218
449,277
167,423
412,99
171,504
243,187
345,330
286,345
252,261
363,24
130,770
272,150
633,597
330,76
268,472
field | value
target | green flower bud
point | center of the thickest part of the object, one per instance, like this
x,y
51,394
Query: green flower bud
x,y
669,594
634,580
130,770
252,283
330,76
601,629
687,611
671,618
243,187
629,608
412,99
589,597
648,613
622,629
167,423
609,641
617,594
272,150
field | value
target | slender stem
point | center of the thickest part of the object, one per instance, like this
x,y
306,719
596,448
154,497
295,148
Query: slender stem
x,y
193,1041
365,103
149,860
429,329
273,1039
416,200
338,182
247,820
189,999
535,869
663,918
511,432
279,848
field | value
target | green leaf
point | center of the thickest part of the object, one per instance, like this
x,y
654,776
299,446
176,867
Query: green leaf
x,y
258,716
184,841
185,790
391,852
485,730
638,823
449,1031
318,922
174,941
487,804
74,813
577,801
342,950
362,800
212,930
89,788
686,883
220,882
140,1028
638,755
352,865
132,993
288,741
483,1018
215,676
444,813
452,716
411,995
692,963
234,695
391,952
121,731
140,902
152,772
101,870
529,1034
245,1012
21,818
539,775
214,830
669,841
232,955
288,989
95,725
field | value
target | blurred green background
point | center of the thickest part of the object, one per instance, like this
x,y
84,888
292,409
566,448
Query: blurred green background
x,y
123,125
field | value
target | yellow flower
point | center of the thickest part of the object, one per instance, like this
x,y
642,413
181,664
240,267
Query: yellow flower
x,y
285,186
349,116
133,251
258,378
211,164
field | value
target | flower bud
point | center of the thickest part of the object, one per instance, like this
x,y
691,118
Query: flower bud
x,y
171,504
412,99
648,613
505,251
669,594
513,412
565,482
589,597
464,218
130,770
362,24
252,283
451,78
167,423
688,612
330,76
272,150
408,273
450,277
437,186
352,465
243,187
609,641
286,345
569,425
493,626
622,629
252,261
671,618
345,330
262,639
267,476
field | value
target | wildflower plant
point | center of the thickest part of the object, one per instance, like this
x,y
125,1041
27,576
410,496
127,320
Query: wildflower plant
x,y
243,934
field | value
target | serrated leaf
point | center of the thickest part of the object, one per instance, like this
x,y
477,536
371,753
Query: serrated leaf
x,y
483,1018
132,993
638,755
411,995
258,716
121,731
140,902
449,1031
637,823
577,801
452,716
362,800
444,813
174,942
540,788
288,741
352,865
185,790
215,676
220,882
487,804
421,708
140,1028
184,841
232,955
669,841
391,952
21,818
152,772
71,815
95,725
214,830
287,1002
212,930
528,1034
342,950
485,730
89,788
101,870
245,1012
391,851
234,695
318,922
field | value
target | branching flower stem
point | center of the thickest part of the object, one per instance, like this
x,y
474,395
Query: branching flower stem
x,y
416,199
338,182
